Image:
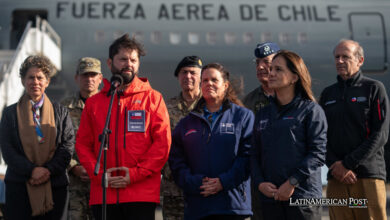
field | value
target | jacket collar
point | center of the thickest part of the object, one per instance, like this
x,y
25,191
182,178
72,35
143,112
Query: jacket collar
x,y
137,85
182,104
355,79
226,104
280,109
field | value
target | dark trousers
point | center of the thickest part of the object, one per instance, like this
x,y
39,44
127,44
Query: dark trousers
x,y
17,204
283,211
126,211
225,217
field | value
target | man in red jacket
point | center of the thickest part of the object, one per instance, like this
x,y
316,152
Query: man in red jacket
x,y
139,142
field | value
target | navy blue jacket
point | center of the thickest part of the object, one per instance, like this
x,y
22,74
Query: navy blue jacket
x,y
290,141
199,150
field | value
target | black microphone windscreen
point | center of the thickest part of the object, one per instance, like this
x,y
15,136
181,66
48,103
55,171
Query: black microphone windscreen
x,y
117,79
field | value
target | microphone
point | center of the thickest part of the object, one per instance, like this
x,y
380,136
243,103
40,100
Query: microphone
x,y
116,81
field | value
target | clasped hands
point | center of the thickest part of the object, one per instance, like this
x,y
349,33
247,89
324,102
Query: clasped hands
x,y
342,174
210,186
283,193
39,175
118,181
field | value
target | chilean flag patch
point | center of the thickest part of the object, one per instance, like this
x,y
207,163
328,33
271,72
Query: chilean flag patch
x,y
354,99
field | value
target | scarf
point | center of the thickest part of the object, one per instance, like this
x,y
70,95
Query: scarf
x,y
38,152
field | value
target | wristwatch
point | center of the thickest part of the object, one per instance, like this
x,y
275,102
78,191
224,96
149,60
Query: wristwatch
x,y
293,181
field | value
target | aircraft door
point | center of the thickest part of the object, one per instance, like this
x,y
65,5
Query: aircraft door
x,y
369,30
20,18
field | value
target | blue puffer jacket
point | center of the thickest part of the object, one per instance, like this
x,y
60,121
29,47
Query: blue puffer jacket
x,y
290,141
199,150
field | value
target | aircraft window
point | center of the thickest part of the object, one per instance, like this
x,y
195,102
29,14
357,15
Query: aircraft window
x,y
247,38
99,36
138,35
117,34
284,38
193,38
302,38
156,37
266,37
230,38
174,38
211,38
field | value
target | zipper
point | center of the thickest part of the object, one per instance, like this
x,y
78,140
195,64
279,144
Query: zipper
x,y
116,143
124,128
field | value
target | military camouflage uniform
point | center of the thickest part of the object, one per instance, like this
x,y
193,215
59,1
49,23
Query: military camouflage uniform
x,y
173,200
256,100
78,190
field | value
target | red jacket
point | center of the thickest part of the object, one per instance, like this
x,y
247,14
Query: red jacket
x,y
140,140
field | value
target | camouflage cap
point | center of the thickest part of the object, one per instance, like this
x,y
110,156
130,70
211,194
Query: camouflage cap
x,y
88,65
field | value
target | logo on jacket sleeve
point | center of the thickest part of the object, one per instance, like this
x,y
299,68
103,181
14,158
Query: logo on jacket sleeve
x,y
191,131
226,128
330,102
136,121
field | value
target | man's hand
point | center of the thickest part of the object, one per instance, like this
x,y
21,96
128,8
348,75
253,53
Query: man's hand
x,y
118,181
268,189
285,191
342,174
350,178
80,172
39,175
210,186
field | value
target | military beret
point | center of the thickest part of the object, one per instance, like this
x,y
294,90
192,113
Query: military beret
x,y
266,49
188,61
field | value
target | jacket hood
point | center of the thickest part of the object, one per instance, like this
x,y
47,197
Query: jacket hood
x,y
136,86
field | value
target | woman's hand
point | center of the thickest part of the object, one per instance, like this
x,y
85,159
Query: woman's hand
x,y
39,175
268,189
210,186
285,191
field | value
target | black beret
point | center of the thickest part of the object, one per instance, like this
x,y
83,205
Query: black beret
x,y
191,61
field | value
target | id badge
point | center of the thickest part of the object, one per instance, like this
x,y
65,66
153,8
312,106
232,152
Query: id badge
x,y
136,121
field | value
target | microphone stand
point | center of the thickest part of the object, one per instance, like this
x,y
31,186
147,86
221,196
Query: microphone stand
x,y
103,138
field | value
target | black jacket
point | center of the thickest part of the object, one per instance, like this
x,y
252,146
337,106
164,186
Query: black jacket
x,y
358,119
19,168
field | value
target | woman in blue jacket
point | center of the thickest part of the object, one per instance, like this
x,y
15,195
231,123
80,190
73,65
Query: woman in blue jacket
x,y
289,142
210,151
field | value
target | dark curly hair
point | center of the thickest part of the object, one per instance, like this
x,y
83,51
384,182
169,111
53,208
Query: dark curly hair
x,y
40,62
127,43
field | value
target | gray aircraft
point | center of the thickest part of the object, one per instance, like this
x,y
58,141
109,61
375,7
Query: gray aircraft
x,y
218,31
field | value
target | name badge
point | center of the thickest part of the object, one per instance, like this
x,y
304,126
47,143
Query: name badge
x,y
136,121
226,128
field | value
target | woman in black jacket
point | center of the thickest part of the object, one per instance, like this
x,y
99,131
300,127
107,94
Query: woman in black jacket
x,y
37,140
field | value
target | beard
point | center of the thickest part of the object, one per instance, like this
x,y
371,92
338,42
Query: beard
x,y
126,77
